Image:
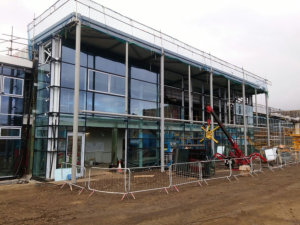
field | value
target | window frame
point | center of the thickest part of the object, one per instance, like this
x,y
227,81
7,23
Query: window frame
x,y
7,94
11,128
109,75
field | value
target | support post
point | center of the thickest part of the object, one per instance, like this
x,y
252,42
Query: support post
x,y
228,104
211,90
267,115
256,112
182,98
245,119
76,100
126,103
220,106
162,112
202,103
190,94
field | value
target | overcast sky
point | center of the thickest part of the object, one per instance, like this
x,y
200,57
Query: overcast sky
x,y
262,36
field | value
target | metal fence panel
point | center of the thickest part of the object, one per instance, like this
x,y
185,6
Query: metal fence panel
x,y
216,169
185,173
108,180
148,179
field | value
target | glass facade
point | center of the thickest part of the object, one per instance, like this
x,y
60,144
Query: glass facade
x,y
11,118
102,90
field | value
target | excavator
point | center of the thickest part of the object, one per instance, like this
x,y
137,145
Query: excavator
x,y
237,156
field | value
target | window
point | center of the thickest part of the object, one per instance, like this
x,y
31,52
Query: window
x,y
143,90
106,83
143,108
142,74
68,76
68,55
13,86
10,132
105,103
67,100
11,105
109,65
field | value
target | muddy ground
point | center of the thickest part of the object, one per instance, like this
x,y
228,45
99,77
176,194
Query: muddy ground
x,y
270,198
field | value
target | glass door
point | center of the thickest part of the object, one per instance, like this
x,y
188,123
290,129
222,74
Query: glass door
x,y
80,151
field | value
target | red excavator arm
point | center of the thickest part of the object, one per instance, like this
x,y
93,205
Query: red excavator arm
x,y
237,151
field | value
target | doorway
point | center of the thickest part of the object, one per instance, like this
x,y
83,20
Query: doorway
x,y
80,151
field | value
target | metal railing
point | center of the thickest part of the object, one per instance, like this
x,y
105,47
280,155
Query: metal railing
x,y
94,11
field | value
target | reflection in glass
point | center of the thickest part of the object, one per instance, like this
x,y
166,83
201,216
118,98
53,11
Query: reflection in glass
x,y
13,86
11,105
143,90
143,108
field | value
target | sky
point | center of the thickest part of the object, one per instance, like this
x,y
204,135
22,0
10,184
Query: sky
x,y
261,36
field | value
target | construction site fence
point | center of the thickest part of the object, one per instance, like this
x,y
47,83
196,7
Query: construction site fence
x,y
80,175
141,179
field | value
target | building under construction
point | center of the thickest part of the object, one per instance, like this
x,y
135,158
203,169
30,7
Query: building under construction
x,y
141,95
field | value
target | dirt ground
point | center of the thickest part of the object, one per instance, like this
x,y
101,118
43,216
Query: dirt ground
x,y
270,198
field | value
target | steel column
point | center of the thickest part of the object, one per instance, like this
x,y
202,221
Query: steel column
x,y
190,95
126,103
211,90
76,100
229,104
267,114
245,119
162,112
256,113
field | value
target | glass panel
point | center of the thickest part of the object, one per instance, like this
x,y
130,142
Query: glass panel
x,y
91,61
109,65
117,85
98,81
68,76
42,105
106,103
13,86
41,132
39,163
143,90
41,120
13,72
143,108
143,74
67,100
10,152
11,120
68,55
69,150
11,105
6,132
